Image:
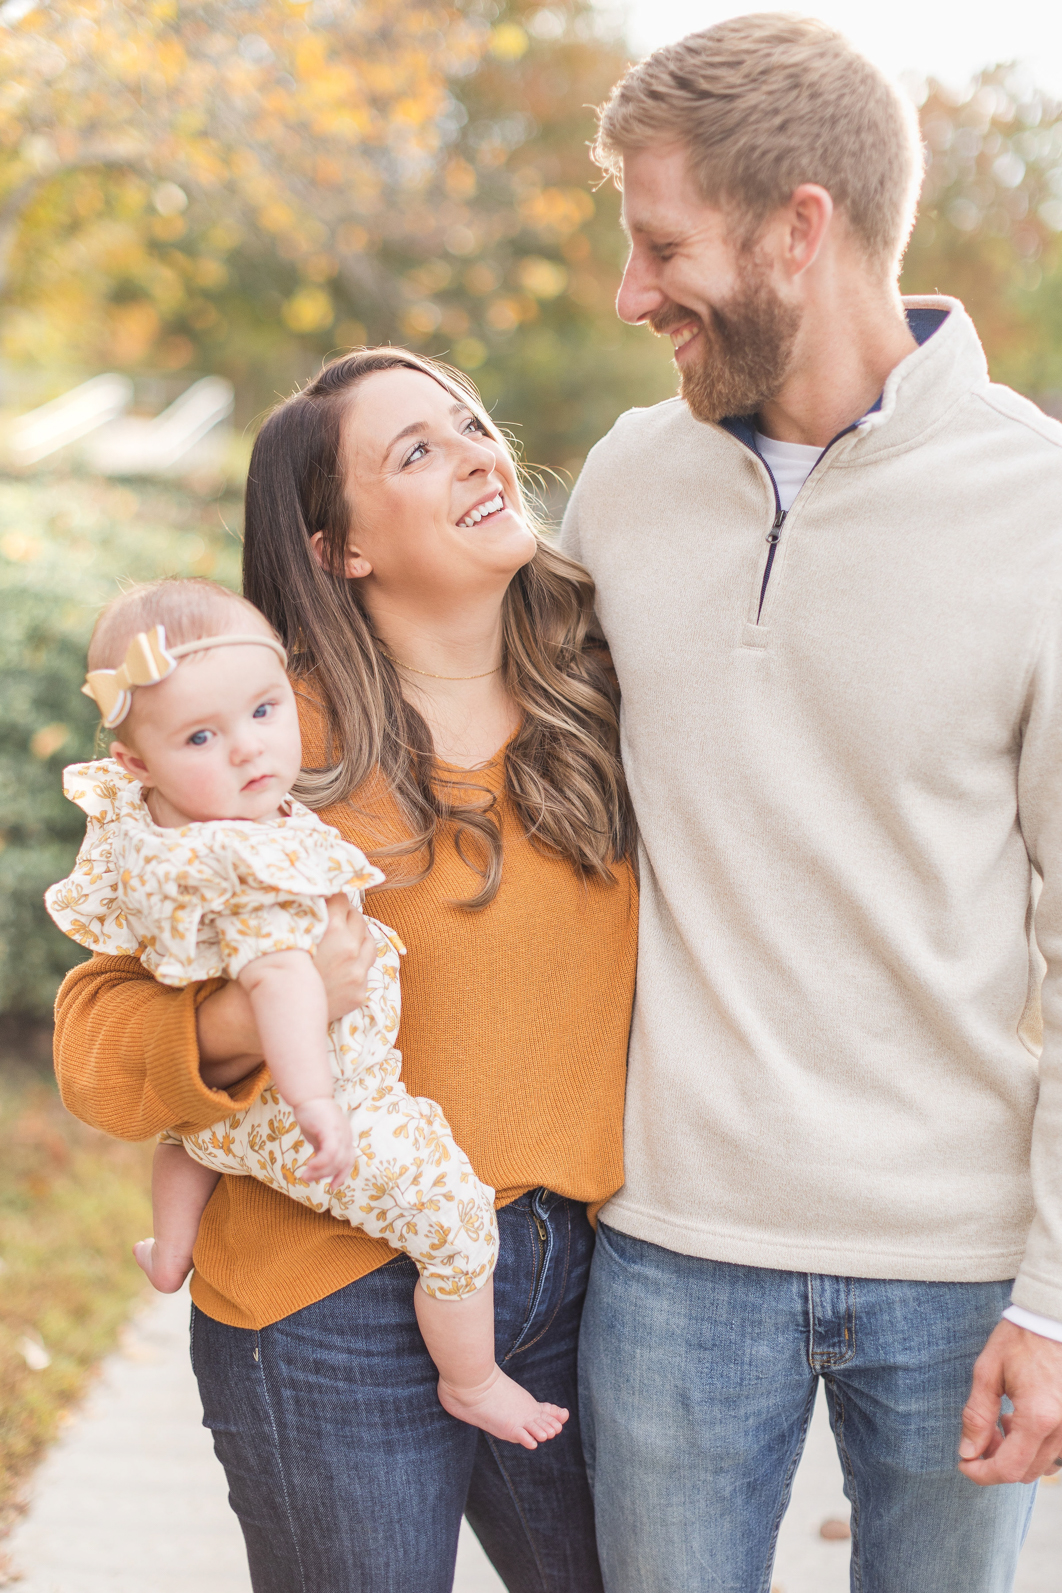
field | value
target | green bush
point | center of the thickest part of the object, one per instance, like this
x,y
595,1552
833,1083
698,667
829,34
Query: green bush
x,y
65,545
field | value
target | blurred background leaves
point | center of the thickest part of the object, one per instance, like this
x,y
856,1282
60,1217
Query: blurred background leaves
x,y
243,188
989,229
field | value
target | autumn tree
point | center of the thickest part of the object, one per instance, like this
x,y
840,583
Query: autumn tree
x,y
274,181
141,144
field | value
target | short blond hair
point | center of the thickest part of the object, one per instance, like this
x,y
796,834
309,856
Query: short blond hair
x,y
188,608
767,102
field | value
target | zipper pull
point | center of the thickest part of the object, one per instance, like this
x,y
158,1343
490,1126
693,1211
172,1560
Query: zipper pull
x,y
779,522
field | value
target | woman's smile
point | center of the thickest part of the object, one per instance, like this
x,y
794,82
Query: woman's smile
x,y
485,509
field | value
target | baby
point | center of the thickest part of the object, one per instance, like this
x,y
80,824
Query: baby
x,y
197,861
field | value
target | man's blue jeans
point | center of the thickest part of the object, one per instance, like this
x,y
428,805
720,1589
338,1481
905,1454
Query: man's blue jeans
x,y
697,1382
346,1473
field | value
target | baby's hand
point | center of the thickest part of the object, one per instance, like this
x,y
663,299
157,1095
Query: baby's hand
x,y
327,1128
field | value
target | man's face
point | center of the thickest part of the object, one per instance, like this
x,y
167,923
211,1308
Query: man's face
x,y
692,277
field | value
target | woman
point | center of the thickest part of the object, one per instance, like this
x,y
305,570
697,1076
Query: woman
x,y
460,725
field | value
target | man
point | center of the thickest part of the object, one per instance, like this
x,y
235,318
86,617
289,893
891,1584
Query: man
x,y
830,574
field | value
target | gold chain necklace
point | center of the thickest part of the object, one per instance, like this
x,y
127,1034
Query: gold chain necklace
x,y
430,676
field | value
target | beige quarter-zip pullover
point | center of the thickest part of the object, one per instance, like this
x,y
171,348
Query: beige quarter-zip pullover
x,y
844,782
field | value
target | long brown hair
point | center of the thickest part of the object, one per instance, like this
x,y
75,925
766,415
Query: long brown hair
x,y
562,768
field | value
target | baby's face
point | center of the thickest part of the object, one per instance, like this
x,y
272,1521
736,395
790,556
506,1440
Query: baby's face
x,y
217,739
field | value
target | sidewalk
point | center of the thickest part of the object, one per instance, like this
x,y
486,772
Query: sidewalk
x,y
132,1500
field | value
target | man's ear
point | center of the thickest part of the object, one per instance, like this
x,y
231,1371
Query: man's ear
x,y
355,564
131,763
807,219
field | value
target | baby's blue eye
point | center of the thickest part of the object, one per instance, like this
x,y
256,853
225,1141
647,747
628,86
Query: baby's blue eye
x,y
261,711
199,738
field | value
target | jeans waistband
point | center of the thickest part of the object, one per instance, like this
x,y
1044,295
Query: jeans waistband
x,y
541,1200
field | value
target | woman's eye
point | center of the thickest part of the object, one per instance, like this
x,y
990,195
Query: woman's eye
x,y
199,738
418,452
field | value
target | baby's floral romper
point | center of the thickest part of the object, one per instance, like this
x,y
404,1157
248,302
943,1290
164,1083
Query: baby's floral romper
x,y
206,900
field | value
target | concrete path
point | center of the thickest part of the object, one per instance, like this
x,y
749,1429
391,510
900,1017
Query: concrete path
x,y
132,1500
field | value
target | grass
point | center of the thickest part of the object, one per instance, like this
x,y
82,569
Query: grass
x,y
72,1202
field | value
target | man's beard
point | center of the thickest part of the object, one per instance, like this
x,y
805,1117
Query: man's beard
x,y
747,349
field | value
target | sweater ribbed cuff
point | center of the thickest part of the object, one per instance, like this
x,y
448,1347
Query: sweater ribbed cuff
x,y
171,1055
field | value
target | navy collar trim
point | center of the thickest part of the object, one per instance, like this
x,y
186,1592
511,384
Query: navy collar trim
x,y
923,323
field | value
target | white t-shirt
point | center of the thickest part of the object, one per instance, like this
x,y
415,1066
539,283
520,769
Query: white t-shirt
x,y
790,464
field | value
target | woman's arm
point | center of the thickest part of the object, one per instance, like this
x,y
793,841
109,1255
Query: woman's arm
x,y
134,1057
227,1036
126,1054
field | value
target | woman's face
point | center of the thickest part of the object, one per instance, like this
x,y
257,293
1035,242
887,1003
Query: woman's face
x,y
435,507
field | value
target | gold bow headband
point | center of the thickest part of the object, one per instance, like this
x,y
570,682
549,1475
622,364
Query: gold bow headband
x,y
148,660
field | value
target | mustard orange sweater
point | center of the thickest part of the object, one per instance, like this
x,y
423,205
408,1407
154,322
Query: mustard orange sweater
x,y
514,1018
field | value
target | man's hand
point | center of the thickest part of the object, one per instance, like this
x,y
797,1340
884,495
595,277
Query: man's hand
x,y
1027,1368
346,953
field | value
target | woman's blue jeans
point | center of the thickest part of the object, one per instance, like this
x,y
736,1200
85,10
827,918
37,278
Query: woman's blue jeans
x,y
698,1380
346,1473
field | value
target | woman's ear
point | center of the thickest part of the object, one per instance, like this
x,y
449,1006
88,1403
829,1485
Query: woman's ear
x,y
355,564
131,763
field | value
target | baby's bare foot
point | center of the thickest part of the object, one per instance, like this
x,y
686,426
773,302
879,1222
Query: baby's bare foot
x,y
166,1269
504,1409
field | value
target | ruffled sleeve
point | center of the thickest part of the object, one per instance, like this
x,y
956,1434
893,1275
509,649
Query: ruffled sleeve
x,y
87,905
286,873
299,854
211,898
